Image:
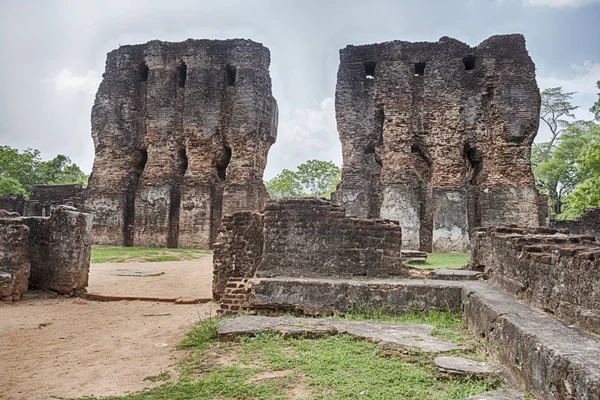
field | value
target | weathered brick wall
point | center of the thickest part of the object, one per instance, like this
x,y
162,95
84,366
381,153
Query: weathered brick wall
x,y
438,136
181,132
588,223
304,238
552,269
47,253
314,238
46,197
14,258
235,296
60,249
12,203
238,249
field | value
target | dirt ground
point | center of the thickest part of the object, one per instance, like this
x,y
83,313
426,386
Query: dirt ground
x,y
185,279
68,347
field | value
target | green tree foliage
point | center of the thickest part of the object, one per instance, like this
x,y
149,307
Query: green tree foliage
x,y
314,178
11,186
20,170
560,174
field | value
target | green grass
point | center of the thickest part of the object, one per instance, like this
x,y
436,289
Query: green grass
x,y
327,368
104,254
443,260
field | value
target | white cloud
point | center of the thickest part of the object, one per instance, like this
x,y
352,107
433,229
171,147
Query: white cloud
x,y
305,134
559,3
582,80
66,81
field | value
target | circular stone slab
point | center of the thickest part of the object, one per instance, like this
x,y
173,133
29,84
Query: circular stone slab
x,y
463,366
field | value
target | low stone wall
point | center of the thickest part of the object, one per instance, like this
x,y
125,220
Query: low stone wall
x,y
305,237
14,258
552,269
48,253
587,224
238,249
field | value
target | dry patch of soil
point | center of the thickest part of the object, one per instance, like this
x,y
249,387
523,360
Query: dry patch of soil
x,y
71,347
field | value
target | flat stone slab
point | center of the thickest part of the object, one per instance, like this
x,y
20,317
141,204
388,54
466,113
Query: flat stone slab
x,y
463,366
415,336
413,256
505,394
454,274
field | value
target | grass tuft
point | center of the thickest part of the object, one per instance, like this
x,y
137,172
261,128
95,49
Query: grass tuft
x,y
443,261
104,254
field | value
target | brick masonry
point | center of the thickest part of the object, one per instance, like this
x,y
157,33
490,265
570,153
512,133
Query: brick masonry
x,y
551,269
47,253
305,237
181,133
438,136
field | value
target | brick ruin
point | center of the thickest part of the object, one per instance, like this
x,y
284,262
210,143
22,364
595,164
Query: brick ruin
x,y
438,136
43,199
552,269
587,224
46,253
181,133
310,238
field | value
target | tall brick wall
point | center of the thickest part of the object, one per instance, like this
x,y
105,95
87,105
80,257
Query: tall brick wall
x,y
438,136
181,133
305,238
549,268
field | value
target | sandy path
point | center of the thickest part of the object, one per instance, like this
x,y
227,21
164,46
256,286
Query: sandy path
x,y
187,279
70,347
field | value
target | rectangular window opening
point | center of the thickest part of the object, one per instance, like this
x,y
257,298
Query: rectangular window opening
x,y
230,73
370,70
419,69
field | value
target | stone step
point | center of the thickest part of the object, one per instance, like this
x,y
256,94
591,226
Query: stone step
x,y
504,394
454,274
452,365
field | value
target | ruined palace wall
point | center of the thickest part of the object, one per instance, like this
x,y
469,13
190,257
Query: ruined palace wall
x,y
182,132
238,249
47,253
14,258
304,237
588,223
551,269
438,136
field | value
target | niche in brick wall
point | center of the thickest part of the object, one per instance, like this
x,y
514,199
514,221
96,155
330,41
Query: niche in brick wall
x,y
419,69
130,190
223,163
469,62
370,70
181,74
230,75
142,71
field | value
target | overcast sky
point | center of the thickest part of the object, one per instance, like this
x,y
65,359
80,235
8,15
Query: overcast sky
x,y
52,56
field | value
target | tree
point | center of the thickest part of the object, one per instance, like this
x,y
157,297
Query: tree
x,y
11,186
562,171
587,193
556,106
313,178
596,107
26,168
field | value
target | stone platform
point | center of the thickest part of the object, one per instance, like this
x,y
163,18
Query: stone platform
x,y
538,352
412,336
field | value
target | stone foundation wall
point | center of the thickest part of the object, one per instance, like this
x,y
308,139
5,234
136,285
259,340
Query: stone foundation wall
x,y
47,253
588,223
14,258
238,250
314,238
552,269
305,237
